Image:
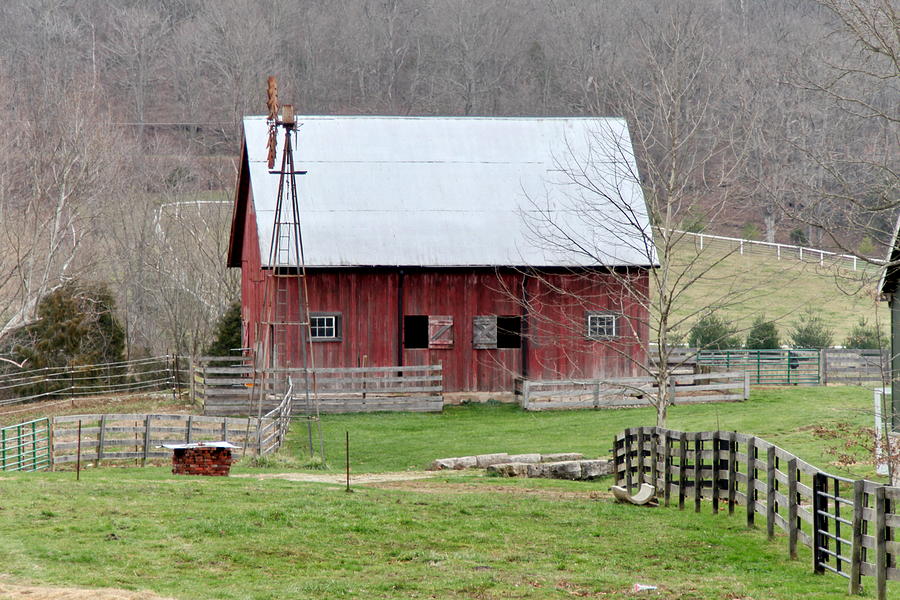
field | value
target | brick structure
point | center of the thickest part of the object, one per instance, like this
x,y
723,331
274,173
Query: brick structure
x,y
201,460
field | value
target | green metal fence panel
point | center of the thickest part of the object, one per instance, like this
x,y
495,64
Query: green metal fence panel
x,y
26,446
768,367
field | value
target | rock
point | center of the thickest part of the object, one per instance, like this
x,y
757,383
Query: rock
x,y
483,461
525,458
508,470
592,469
457,463
568,469
536,470
560,457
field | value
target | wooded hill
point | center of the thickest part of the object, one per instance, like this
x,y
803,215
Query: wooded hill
x,y
773,118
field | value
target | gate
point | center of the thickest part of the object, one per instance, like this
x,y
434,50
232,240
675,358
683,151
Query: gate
x,y
832,551
26,446
772,367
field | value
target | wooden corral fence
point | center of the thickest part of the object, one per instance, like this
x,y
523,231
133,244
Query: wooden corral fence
x,y
850,525
137,436
26,446
229,390
633,391
856,367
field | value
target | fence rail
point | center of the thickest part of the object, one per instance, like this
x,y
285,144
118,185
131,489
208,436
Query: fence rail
x,y
632,391
787,251
138,436
850,526
26,446
233,390
146,374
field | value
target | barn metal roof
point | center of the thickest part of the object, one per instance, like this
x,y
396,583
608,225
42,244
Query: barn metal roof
x,y
447,191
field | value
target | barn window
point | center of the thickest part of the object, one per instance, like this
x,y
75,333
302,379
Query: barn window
x,y
325,327
602,325
497,331
440,331
415,331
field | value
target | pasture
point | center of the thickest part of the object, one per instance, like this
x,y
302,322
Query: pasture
x,y
457,535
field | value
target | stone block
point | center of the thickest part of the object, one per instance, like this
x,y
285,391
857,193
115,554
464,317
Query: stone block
x,y
455,463
508,470
568,469
483,461
525,458
592,469
560,457
536,470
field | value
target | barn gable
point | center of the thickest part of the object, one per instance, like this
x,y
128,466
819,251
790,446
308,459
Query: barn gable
x,y
450,192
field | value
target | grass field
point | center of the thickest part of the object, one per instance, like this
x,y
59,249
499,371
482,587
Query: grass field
x,y
454,536
782,289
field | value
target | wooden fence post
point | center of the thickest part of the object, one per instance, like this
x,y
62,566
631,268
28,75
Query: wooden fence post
x,y
859,499
698,472
746,385
682,475
526,391
771,505
629,483
654,457
101,439
190,427
819,521
751,482
191,375
640,456
146,440
597,395
732,471
667,467
880,533
792,508
715,472
617,461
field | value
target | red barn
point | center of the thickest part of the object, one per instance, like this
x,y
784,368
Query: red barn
x,y
498,247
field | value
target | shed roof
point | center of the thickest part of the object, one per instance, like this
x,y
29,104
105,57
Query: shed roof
x,y
455,191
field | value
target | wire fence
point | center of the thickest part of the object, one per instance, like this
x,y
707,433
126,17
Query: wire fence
x,y
122,377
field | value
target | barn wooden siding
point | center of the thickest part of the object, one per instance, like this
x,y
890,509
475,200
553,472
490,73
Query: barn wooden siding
x,y
373,300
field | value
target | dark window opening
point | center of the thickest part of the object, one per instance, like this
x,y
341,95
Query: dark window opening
x,y
509,332
415,331
602,326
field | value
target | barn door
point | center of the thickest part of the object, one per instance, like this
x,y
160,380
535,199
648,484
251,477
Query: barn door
x,y
440,331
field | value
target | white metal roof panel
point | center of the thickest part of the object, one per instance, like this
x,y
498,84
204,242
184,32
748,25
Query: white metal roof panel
x,y
444,191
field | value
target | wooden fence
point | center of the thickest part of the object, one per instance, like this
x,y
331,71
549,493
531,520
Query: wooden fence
x,y
613,393
847,366
229,390
137,436
850,526
856,367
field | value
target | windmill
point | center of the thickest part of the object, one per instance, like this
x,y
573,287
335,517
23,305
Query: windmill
x,y
284,344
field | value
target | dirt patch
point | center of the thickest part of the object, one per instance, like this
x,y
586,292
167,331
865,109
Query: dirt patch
x,y
444,487
31,592
340,478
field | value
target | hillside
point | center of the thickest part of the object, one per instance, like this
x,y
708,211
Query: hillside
x,y
759,282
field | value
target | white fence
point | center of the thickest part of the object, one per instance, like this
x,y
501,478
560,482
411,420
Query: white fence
x,y
786,251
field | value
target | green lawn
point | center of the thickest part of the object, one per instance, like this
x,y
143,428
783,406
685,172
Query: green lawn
x,y
456,536
394,442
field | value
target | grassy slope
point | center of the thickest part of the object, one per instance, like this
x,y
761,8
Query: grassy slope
x,y
389,442
782,289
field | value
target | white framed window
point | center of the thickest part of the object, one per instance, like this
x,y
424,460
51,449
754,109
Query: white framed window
x,y
602,325
325,327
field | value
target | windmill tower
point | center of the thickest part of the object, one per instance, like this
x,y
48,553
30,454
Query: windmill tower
x,y
284,345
